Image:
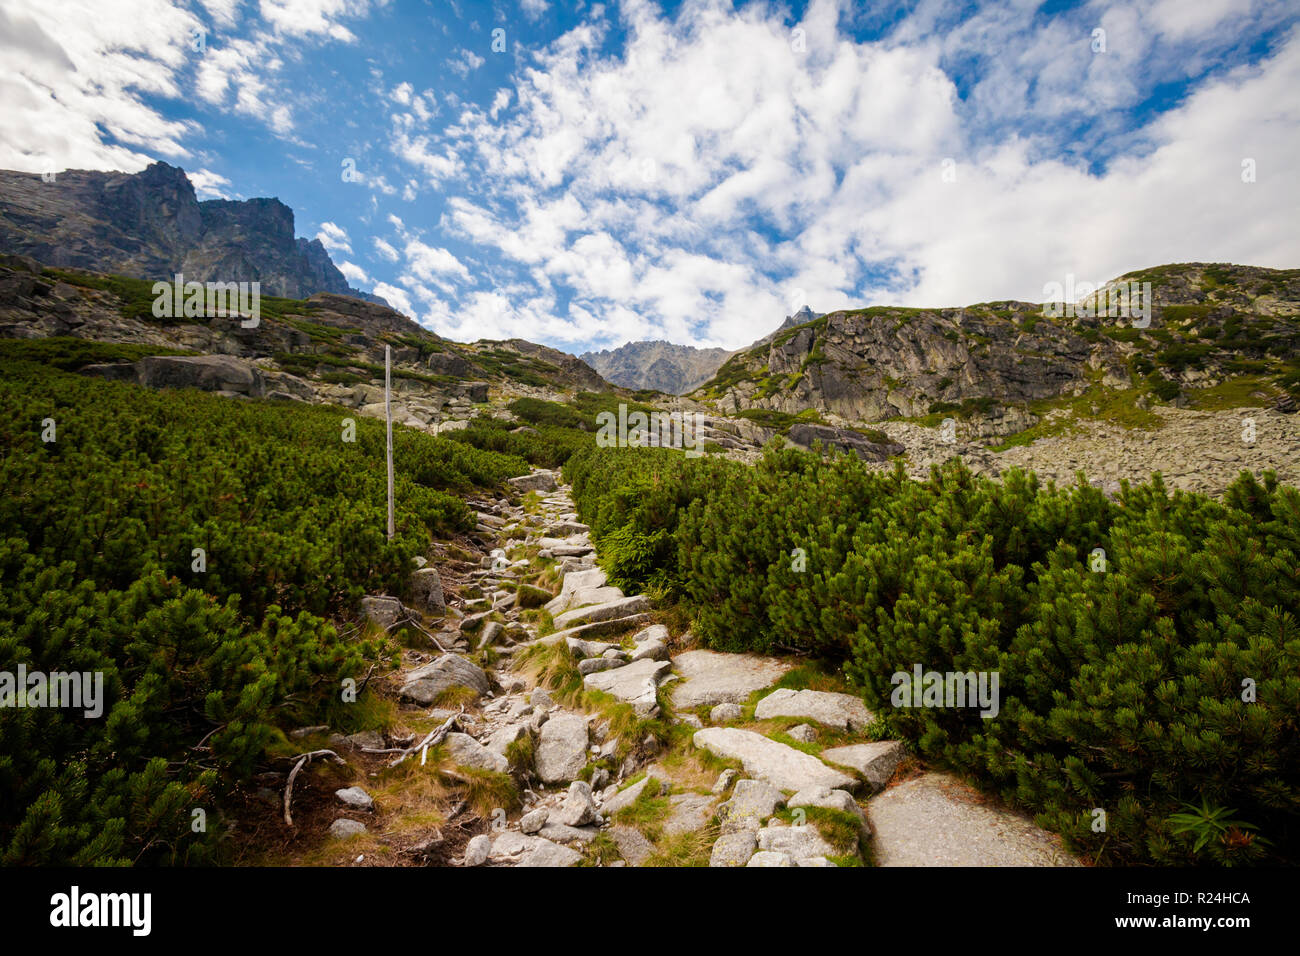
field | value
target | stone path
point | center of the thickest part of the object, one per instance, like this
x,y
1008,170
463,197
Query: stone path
x,y
589,797
936,820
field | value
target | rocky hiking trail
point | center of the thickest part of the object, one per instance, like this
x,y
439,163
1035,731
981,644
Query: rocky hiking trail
x,y
554,722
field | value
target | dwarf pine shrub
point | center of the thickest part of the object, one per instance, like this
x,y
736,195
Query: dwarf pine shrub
x,y
1147,647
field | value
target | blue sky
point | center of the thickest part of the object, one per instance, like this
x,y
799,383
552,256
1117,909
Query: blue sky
x,y
585,174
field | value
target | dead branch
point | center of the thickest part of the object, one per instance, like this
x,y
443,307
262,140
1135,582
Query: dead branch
x,y
302,761
419,627
361,690
432,739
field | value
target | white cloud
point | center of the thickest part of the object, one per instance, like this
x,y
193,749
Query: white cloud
x,y
499,102
465,62
354,273
399,299
698,217
426,261
334,238
209,185
533,9
81,78
385,249
314,17
72,72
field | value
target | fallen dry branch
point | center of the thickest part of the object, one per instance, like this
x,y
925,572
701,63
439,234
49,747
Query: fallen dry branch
x,y
302,761
432,739
419,627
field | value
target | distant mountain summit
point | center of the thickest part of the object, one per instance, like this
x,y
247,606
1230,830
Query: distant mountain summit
x,y
150,225
662,366
675,369
802,317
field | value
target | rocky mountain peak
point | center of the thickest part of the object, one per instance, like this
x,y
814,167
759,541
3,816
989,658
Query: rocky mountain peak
x,y
151,225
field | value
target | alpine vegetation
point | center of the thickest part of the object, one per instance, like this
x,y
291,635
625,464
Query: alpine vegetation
x,y
179,298
448,468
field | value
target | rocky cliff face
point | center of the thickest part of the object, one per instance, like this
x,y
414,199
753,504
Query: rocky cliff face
x,y
150,225
661,366
1208,323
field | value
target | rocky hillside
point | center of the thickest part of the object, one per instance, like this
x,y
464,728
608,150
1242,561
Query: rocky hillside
x,y
150,225
326,348
658,366
1209,323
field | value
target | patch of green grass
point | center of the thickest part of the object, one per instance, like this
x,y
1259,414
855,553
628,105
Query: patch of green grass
x,y
552,666
684,849
647,812
602,851
69,354
522,754
814,675
531,597
487,790
841,829
320,332
456,697
1185,313
1118,406
1234,393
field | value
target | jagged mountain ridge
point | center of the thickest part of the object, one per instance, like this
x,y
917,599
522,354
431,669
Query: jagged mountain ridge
x,y
657,365
151,225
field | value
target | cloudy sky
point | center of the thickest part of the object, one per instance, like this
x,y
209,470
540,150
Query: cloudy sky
x,y
584,174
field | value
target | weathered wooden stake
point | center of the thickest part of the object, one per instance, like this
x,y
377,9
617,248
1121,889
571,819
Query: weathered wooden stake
x,y
388,416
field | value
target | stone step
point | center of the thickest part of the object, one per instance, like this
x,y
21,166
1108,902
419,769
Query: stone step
x,y
876,760
609,610
780,765
710,677
840,711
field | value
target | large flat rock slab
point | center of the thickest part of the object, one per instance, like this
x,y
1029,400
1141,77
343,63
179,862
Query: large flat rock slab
x,y
632,844
426,684
635,683
710,677
583,597
936,820
575,582
841,711
594,629
535,481
561,748
608,611
783,767
518,849
689,812
875,760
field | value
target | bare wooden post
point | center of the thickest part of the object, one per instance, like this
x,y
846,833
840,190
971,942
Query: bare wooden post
x,y
388,416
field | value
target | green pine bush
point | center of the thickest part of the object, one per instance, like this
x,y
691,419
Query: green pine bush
x,y
1121,690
